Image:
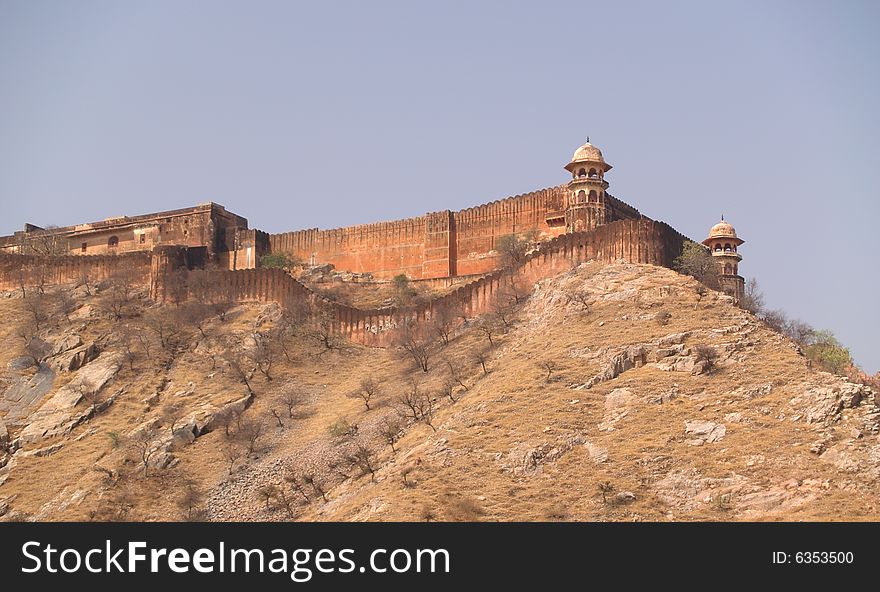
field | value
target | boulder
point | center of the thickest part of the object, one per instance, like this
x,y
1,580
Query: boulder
x,y
597,454
624,497
4,434
59,415
66,343
708,431
74,359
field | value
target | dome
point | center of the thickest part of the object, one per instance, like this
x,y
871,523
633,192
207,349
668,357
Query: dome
x,y
723,230
588,154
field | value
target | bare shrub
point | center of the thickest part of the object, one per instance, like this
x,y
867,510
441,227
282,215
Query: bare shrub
x,y
391,430
707,354
367,391
416,346
250,432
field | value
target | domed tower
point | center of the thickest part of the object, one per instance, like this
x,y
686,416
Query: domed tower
x,y
723,242
587,202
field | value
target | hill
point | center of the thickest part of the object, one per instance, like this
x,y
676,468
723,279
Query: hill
x,y
613,392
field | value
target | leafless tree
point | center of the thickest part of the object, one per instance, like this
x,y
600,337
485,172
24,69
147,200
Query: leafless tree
x,y
447,389
89,392
753,297
46,241
32,345
263,354
195,314
285,501
426,410
144,444
488,325
231,454
324,327
277,416
482,357
84,280
37,306
550,367
267,493
582,298
316,484
250,433
292,398
128,335
455,375
514,290
172,413
502,314
190,501
66,303
445,319
416,346
390,431
297,486
513,248
409,401
368,390
696,261
364,458
119,297
707,354
234,364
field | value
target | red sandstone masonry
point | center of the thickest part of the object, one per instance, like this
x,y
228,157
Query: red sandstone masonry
x,y
65,269
635,241
435,245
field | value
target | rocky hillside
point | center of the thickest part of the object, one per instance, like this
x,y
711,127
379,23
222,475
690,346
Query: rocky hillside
x,y
614,392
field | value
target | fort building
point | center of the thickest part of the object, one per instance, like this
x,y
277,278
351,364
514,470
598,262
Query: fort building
x,y
445,244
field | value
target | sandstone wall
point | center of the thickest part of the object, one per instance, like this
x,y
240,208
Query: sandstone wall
x,y
436,245
635,241
32,270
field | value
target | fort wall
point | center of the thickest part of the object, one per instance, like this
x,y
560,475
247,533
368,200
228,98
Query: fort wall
x,y
32,270
439,244
635,241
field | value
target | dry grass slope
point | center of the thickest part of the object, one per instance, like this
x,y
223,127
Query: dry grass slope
x,y
596,404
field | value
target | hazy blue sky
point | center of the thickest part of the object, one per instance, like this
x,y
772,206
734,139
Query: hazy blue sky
x,y
322,114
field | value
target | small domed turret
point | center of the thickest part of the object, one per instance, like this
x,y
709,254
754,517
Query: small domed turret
x,y
587,205
723,243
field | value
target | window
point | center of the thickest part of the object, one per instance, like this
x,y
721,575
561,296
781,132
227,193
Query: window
x,y
143,238
84,247
112,242
582,197
593,174
593,197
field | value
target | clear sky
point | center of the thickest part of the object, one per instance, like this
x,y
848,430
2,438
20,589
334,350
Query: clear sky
x,y
323,114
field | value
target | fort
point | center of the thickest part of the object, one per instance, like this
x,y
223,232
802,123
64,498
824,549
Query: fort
x,y
572,222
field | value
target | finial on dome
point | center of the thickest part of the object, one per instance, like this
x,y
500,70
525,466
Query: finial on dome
x,y
722,217
588,139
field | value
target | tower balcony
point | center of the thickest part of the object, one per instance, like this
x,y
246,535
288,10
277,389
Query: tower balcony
x,y
593,180
731,254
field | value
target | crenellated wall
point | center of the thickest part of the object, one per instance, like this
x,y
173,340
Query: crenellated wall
x,y
635,241
440,244
31,270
